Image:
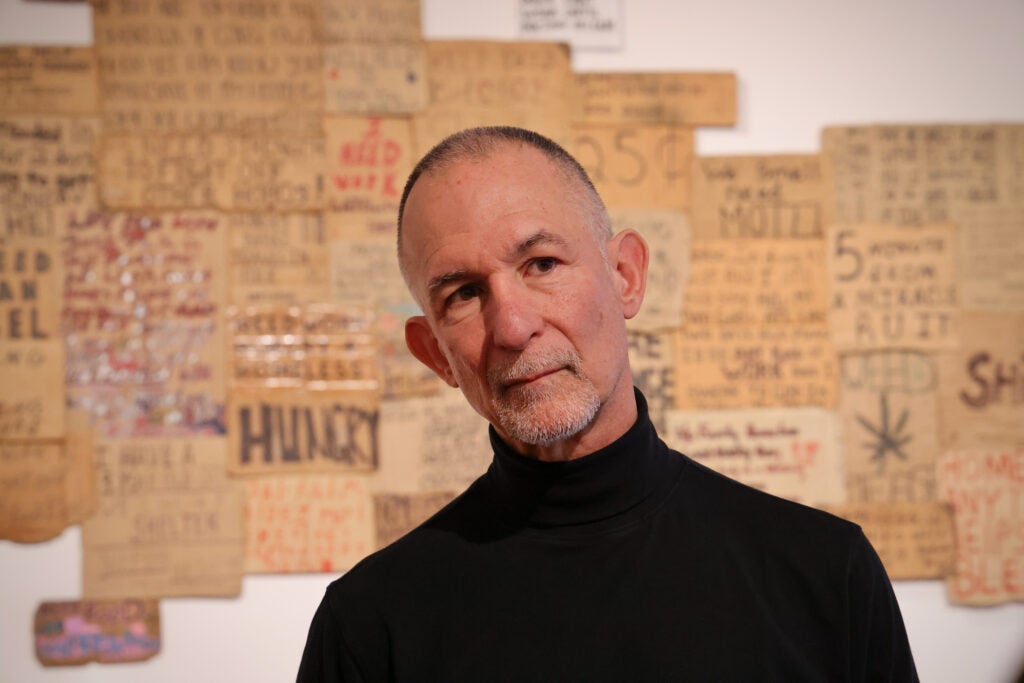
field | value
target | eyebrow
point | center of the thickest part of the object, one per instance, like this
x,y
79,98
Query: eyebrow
x,y
537,238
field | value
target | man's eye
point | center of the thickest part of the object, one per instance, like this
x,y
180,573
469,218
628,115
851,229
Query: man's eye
x,y
463,293
544,264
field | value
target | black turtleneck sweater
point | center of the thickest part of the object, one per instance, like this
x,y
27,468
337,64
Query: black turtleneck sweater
x,y
633,563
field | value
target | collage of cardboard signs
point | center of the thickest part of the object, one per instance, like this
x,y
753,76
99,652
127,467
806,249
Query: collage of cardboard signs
x,y
201,317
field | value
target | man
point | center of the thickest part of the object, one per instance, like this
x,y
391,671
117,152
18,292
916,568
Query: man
x,y
589,551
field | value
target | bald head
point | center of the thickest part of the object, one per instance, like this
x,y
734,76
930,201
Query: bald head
x,y
478,144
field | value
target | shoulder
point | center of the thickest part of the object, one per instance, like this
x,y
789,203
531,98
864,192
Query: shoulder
x,y
761,520
409,559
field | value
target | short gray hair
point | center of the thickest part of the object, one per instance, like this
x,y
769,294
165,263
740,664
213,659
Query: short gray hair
x,y
479,143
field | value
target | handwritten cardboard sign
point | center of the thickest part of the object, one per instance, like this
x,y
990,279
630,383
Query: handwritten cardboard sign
x,y
204,67
762,284
913,540
981,384
32,377
248,173
48,80
893,288
369,158
754,328
48,484
478,83
591,25
143,296
652,359
276,258
635,165
756,197
725,367
320,346
789,452
990,252
375,77
169,521
667,234
371,21
106,631
30,296
307,523
47,163
397,514
889,410
436,443
33,475
364,272
969,175
985,488
692,99
302,431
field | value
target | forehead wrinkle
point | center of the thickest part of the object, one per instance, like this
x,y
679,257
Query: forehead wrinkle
x,y
539,237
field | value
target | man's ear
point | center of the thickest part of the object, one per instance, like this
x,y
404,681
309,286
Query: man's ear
x,y
627,257
423,344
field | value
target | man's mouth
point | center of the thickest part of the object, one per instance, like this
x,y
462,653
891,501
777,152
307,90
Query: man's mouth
x,y
533,377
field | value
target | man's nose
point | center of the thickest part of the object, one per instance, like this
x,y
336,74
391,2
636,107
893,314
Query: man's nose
x,y
512,316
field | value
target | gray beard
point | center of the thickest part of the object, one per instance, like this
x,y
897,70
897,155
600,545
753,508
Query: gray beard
x,y
542,416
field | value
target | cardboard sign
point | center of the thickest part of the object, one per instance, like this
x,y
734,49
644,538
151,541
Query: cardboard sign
x,y
276,258
592,25
636,165
889,410
33,475
247,173
371,21
105,631
210,67
143,297
761,197
667,234
375,77
48,484
478,83
397,514
913,540
436,443
32,403
652,359
311,523
692,99
320,346
985,488
893,288
981,384
789,452
48,163
968,175
169,521
754,328
368,161
302,431
48,80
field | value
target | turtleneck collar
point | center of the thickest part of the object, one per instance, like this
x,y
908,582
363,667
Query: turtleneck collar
x,y
607,488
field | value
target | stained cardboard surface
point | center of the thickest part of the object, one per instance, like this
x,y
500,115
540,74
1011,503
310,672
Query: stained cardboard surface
x,y
169,521
106,631
786,196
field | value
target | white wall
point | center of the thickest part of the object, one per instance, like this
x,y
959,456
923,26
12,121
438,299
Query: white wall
x,y
802,64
